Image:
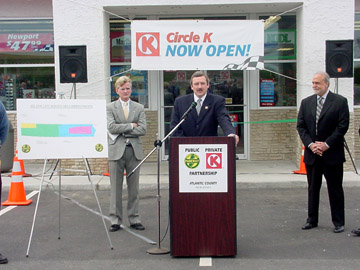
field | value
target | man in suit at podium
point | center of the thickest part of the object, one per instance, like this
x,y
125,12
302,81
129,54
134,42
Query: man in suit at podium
x,y
126,123
209,114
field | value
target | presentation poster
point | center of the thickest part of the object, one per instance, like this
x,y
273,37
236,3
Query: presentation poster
x,y
61,128
203,168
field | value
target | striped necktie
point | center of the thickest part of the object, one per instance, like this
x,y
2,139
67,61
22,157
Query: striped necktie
x,y
198,106
318,110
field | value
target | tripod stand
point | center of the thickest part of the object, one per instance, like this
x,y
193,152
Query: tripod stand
x,y
345,143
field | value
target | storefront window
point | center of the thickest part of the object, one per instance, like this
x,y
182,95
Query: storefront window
x,y
120,57
120,41
139,80
26,42
280,39
25,82
277,90
357,36
357,83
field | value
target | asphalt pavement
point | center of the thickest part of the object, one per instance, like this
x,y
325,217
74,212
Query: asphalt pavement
x,y
271,208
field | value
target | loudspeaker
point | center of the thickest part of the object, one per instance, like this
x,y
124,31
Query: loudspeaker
x,y
339,58
73,68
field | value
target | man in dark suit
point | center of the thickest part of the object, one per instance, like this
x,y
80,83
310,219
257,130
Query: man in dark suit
x,y
126,123
209,114
322,123
4,129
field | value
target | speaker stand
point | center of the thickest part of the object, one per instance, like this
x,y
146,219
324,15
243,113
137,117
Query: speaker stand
x,y
74,87
345,143
336,85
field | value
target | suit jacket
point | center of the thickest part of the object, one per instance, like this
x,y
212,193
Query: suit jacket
x,y
333,124
212,114
117,125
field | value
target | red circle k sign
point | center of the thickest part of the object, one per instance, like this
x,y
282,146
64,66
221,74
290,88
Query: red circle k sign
x,y
213,160
148,44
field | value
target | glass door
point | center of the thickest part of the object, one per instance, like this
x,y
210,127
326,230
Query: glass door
x,y
230,85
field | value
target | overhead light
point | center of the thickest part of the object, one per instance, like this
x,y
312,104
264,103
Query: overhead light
x,y
270,21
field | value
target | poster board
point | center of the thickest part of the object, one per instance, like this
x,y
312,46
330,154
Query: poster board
x,y
61,128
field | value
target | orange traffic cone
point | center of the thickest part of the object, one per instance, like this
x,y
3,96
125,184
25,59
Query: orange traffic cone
x,y
17,194
302,169
108,174
23,173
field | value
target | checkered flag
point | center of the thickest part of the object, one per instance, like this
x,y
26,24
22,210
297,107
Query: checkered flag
x,y
47,48
252,63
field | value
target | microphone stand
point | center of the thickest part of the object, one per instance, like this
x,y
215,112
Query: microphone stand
x,y
158,143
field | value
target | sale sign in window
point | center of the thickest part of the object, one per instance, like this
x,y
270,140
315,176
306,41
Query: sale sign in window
x,y
27,42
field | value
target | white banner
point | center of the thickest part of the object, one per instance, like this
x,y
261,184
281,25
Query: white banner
x,y
193,44
61,128
203,168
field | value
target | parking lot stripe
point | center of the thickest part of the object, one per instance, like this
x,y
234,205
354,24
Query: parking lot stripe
x,y
205,261
7,209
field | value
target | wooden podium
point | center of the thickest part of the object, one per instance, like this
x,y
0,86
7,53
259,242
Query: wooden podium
x,y
202,196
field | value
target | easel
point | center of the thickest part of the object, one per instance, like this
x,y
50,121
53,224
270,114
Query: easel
x,y
87,170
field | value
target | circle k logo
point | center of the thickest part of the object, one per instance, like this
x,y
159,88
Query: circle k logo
x,y
213,160
148,44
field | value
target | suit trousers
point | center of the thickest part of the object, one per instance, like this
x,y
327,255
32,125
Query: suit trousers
x,y
334,179
117,168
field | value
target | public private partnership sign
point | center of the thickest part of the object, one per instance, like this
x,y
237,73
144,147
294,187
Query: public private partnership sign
x,y
203,168
194,44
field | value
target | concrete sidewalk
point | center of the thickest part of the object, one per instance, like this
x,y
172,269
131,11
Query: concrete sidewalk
x,y
248,173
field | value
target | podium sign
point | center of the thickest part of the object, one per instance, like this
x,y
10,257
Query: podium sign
x,y
203,168
202,196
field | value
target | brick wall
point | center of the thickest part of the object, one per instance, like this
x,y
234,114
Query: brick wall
x,y
273,140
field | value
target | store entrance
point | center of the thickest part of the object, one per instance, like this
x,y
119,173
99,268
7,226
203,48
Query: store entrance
x,y
229,84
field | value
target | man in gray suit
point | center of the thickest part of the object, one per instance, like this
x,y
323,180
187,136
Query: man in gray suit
x,y
126,122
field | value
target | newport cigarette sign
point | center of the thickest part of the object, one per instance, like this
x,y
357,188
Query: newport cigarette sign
x,y
192,44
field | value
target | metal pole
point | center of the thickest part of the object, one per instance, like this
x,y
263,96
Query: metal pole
x,y
59,196
36,208
158,250
97,200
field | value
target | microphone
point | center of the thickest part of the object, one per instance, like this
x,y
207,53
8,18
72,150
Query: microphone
x,y
192,106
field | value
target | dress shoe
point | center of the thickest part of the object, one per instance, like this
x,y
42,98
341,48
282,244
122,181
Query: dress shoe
x,y
356,232
137,226
308,226
339,229
3,259
114,228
